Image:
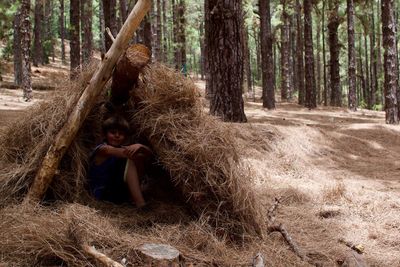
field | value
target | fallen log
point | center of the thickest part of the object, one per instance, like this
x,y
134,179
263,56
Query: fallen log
x,y
85,103
35,86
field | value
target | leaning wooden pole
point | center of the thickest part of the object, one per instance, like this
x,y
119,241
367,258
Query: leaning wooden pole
x,y
85,103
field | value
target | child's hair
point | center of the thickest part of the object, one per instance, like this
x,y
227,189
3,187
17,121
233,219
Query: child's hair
x,y
115,123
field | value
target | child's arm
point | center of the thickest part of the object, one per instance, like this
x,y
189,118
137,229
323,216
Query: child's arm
x,y
122,152
131,150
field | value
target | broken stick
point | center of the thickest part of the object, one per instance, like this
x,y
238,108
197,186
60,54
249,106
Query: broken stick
x,y
100,257
280,228
85,103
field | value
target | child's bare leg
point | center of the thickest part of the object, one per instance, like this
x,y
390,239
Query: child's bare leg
x,y
132,179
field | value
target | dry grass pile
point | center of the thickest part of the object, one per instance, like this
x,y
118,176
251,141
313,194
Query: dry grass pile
x,y
26,141
40,236
198,151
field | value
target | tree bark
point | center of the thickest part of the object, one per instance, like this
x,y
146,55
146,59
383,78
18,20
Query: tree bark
x,y
285,50
85,103
352,100
373,65
324,55
123,9
62,31
390,66
268,91
247,67
165,31
147,34
182,35
87,37
318,60
37,44
26,49
299,54
333,25
17,49
310,97
102,28
159,41
74,38
225,57
367,98
110,21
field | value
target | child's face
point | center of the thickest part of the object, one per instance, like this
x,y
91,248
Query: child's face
x,y
115,137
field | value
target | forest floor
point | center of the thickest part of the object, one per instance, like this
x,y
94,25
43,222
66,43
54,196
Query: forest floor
x,y
336,171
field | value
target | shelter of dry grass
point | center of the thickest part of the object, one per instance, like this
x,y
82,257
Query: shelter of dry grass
x,y
198,152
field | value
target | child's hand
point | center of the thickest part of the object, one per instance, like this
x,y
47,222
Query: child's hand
x,y
131,150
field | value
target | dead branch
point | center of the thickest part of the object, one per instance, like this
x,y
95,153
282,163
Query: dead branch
x,y
100,257
110,34
357,248
292,244
272,210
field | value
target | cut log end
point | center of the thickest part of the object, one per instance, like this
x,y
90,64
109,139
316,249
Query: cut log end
x,y
127,71
159,255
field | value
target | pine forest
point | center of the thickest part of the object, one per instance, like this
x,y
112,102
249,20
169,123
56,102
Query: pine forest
x,y
199,133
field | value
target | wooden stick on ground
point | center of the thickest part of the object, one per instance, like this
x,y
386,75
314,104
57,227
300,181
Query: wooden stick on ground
x,y
100,257
85,103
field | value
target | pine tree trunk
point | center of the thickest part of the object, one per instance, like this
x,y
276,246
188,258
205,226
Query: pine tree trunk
x,y
285,78
361,71
62,31
310,97
17,49
110,21
87,36
207,18
246,54
299,54
102,28
37,43
352,56
292,57
367,87
373,65
123,9
379,55
26,49
175,36
47,32
324,55
113,18
390,66
147,34
266,37
202,52
182,35
318,61
257,33
74,37
226,68
158,43
333,25
165,31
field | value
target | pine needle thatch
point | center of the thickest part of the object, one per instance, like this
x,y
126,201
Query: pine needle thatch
x,y
199,153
